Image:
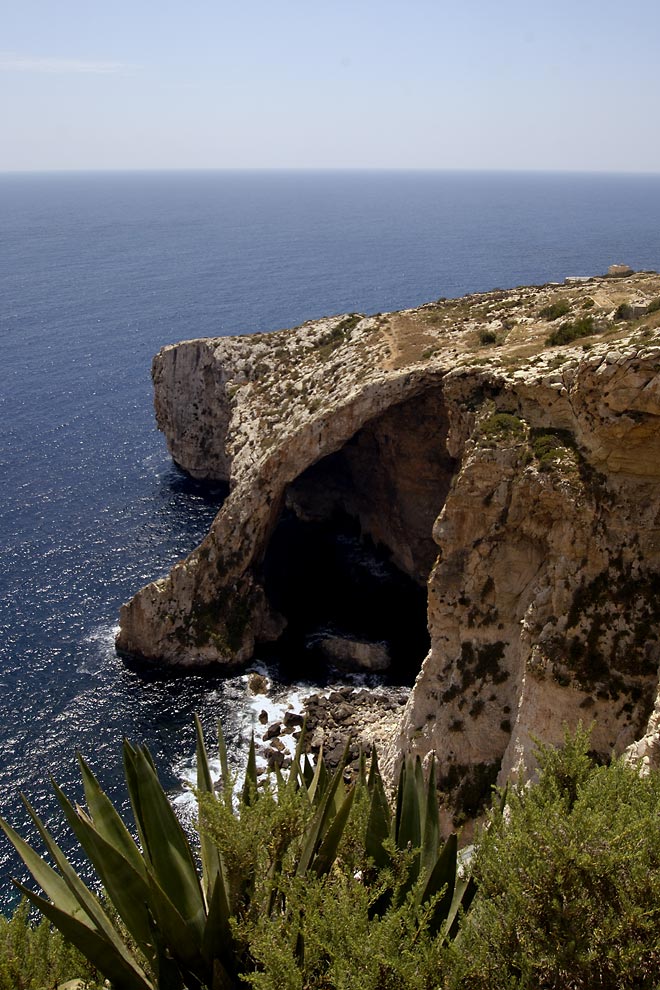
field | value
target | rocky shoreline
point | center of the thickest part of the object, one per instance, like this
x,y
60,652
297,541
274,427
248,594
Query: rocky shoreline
x,y
332,718
356,714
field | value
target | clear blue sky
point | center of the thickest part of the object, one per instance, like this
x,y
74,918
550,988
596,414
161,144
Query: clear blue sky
x,y
330,84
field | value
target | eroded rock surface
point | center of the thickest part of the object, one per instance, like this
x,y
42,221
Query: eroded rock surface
x,y
519,479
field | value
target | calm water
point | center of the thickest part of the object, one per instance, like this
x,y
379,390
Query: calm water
x,y
99,271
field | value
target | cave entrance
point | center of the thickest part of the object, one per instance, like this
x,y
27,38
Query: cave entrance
x,y
346,604
349,557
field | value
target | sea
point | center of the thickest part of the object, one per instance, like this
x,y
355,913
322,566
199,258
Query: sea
x,y
100,270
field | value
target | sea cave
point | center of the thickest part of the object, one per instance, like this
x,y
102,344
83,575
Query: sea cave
x,y
349,555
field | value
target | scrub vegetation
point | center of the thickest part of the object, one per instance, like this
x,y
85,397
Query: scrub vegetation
x,y
312,884
582,326
304,881
555,310
569,881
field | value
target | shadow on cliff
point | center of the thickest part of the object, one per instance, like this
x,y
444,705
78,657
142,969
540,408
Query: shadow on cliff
x,y
348,560
333,586
177,481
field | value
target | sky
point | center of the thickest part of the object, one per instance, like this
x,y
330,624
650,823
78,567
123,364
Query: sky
x,y
466,84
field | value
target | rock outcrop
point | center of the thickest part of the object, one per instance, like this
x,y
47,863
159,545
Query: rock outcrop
x,y
516,479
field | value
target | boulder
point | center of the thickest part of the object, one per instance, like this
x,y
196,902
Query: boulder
x,y
355,655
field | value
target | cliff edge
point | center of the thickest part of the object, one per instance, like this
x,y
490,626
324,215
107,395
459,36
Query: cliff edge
x,y
501,450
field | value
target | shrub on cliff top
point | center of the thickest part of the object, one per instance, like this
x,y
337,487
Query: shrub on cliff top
x,y
555,310
583,326
569,881
500,426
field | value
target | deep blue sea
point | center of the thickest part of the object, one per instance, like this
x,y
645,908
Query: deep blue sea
x,y
97,272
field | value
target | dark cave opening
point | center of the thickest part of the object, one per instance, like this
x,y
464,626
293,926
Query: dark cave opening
x,y
349,557
335,587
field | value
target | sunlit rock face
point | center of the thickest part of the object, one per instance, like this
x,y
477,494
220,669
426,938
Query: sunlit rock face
x,y
512,483
542,604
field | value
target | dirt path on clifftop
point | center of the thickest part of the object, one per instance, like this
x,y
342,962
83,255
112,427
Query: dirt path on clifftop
x,y
406,341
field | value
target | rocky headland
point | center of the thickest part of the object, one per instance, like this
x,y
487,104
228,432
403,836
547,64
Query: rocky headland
x,y
500,453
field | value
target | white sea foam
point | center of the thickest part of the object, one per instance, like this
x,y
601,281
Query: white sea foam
x,y
279,700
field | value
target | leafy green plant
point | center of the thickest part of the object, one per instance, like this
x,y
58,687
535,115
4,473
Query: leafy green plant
x,y
582,326
381,919
654,305
569,881
34,956
555,310
345,948
430,875
179,926
501,426
552,447
487,337
267,857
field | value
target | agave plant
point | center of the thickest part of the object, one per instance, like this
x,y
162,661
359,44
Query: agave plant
x,y
174,927
169,927
433,877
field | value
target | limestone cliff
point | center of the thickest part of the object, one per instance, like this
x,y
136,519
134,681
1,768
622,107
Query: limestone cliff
x,y
518,479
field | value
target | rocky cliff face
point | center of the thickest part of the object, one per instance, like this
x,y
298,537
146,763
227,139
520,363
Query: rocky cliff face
x,y
518,481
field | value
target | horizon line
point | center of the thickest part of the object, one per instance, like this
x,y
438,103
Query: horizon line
x,y
99,170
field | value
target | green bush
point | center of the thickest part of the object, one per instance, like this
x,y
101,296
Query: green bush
x,y
583,326
282,866
569,882
345,948
623,312
33,956
328,895
654,305
555,310
550,447
500,426
487,337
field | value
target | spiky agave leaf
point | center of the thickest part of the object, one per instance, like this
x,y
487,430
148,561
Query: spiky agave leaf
x,y
379,823
319,781
322,820
441,884
161,901
209,854
307,771
464,892
76,912
325,857
218,945
300,771
409,825
431,824
106,819
169,858
250,792
362,769
127,888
